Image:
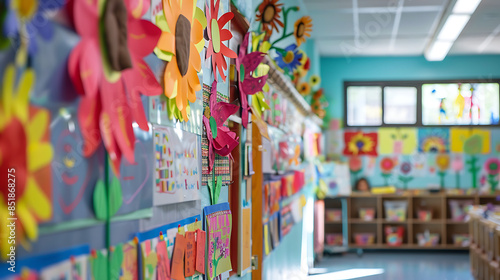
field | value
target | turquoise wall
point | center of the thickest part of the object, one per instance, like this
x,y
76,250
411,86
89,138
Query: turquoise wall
x,y
336,70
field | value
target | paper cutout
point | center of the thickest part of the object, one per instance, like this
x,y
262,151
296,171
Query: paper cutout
x,y
246,238
480,144
217,35
27,274
129,265
111,99
405,177
116,261
25,156
433,140
457,165
302,29
387,164
221,140
269,16
177,165
355,166
150,263
215,187
190,259
178,258
163,261
182,31
397,141
71,268
492,168
261,124
103,202
246,64
267,246
201,238
219,225
289,58
99,265
359,143
442,163
319,104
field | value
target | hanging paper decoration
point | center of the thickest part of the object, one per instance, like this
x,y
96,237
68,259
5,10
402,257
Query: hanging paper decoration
x,y
387,164
443,163
246,64
302,69
217,35
259,103
405,177
25,20
304,89
269,16
178,44
220,139
25,156
359,143
319,103
108,70
302,29
492,167
289,59
433,140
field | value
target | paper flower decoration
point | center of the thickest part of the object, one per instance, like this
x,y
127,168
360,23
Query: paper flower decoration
x,y
289,59
246,64
443,163
405,170
434,145
387,164
314,81
359,143
220,139
319,103
355,166
492,167
269,16
217,35
302,29
26,19
108,70
179,40
304,89
25,156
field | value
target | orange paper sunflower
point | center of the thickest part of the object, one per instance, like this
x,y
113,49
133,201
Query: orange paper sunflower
x,y
217,34
181,74
302,29
269,15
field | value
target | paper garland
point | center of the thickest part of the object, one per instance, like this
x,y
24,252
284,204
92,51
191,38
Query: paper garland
x,y
217,35
110,97
25,156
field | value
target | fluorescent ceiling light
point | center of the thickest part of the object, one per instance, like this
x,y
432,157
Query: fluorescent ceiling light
x,y
466,6
438,50
453,27
348,274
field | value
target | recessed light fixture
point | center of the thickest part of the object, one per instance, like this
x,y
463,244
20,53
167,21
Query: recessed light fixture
x,y
466,6
438,50
453,27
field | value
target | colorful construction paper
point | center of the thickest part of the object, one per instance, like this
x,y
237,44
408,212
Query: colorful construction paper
x,y
221,140
163,261
111,99
360,143
434,140
267,245
74,268
116,261
129,265
177,165
178,257
246,238
214,187
98,265
182,30
107,204
190,258
217,35
459,137
201,238
218,223
397,141
25,157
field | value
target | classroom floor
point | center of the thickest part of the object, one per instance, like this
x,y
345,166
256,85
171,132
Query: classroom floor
x,y
395,266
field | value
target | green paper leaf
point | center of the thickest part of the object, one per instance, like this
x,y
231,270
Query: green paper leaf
x,y
215,190
242,73
100,201
116,261
116,198
99,266
213,127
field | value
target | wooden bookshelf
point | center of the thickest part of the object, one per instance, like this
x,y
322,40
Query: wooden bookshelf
x,y
441,222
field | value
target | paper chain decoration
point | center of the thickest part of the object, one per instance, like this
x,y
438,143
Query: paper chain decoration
x,y
108,70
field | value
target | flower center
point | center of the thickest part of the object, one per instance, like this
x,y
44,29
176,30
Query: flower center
x,y
207,112
288,58
25,8
493,166
360,144
269,13
114,21
182,43
300,30
215,35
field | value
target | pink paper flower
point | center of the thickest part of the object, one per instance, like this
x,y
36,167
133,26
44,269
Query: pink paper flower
x,y
492,166
457,163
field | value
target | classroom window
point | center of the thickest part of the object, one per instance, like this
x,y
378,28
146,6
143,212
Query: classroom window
x,y
364,106
400,105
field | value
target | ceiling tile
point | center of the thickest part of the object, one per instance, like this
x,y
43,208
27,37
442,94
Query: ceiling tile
x,y
413,3
372,47
325,5
470,45
377,3
409,26
375,25
328,26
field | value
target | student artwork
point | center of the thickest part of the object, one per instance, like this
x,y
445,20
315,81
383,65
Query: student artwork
x,y
472,147
217,34
98,265
459,136
182,32
443,163
107,200
129,265
177,165
433,140
25,156
359,143
220,139
405,174
397,141
218,223
457,165
319,103
108,70
246,64
492,167
26,20
387,164
355,166
289,59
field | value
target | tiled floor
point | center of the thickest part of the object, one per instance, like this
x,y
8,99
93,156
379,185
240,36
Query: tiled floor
x,y
398,266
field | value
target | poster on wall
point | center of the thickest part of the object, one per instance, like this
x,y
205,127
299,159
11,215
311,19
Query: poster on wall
x,y
397,141
177,165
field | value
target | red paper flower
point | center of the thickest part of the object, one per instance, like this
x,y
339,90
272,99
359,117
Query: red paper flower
x,y
108,70
387,164
247,84
492,166
220,139
355,163
217,35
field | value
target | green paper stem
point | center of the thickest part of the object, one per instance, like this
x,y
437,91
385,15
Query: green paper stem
x,y
386,178
441,176
493,182
457,179
355,174
405,180
285,22
473,169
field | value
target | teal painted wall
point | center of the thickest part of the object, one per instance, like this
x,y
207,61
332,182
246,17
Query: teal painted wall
x,y
334,71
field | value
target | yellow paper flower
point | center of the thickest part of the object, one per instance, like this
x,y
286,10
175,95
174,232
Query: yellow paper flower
x,y
360,143
304,89
302,29
24,147
314,80
443,161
